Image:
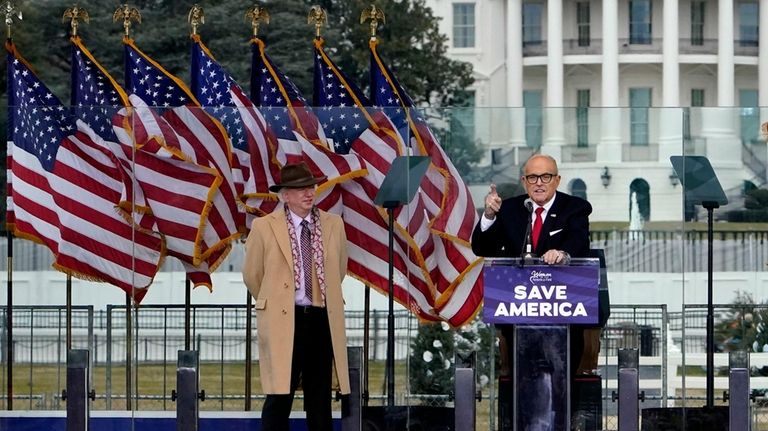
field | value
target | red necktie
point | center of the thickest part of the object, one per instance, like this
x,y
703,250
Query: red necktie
x,y
536,227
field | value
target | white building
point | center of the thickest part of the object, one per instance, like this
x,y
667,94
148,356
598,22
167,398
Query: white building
x,y
619,85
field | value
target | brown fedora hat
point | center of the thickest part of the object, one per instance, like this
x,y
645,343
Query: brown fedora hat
x,y
296,175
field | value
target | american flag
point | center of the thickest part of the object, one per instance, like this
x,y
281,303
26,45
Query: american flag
x,y
254,148
460,286
300,135
197,212
79,180
371,135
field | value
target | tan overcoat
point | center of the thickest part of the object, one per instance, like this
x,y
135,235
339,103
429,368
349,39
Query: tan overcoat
x,y
268,274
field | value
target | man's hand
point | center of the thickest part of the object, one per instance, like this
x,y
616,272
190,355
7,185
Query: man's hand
x,y
556,257
492,203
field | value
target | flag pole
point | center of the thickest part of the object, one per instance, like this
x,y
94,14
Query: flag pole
x,y
127,14
376,15
11,13
9,320
74,14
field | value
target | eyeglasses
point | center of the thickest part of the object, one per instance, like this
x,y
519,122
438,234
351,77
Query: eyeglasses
x,y
545,178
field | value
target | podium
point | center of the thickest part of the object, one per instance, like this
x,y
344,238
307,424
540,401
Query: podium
x,y
534,305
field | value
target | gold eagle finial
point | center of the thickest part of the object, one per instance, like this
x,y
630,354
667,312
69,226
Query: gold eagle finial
x,y
256,14
127,14
376,15
10,13
196,17
318,17
74,14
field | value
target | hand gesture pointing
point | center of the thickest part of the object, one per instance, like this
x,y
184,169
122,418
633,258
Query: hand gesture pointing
x,y
492,203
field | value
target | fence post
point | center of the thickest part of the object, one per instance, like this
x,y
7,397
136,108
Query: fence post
x,y
738,390
351,405
464,392
78,391
186,394
628,389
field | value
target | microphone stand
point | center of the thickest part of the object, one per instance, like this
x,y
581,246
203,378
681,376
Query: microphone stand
x,y
526,254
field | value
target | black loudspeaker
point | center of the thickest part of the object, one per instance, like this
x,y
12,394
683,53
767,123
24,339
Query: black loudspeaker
x,y
691,418
586,403
408,418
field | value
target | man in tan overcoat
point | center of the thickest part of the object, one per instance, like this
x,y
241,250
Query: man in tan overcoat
x,y
295,260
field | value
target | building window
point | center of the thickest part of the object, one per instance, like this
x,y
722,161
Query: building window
x,y
582,118
639,102
748,23
532,23
749,116
463,123
463,25
582,22
533,118
697,97
578,188
640,22
697,23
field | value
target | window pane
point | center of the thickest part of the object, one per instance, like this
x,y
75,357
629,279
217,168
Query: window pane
x,y
464,25
533,118
748,24
640,22
749,116
639,101
697,23
582,22
697,97
582,118
532,23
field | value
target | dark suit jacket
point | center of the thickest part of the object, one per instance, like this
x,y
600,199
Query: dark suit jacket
x,y
565,228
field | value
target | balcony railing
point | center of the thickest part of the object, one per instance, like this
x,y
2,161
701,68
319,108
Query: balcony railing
x,y
628,46
575,153
639,153
698,46
745,47
535,48
572,47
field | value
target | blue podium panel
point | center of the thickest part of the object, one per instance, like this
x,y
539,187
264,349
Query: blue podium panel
x,y
538,293
533,304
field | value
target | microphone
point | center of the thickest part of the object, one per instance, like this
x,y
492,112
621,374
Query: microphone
x,y
527,252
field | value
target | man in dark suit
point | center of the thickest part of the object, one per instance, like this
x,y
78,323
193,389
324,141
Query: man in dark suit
x,y
559,231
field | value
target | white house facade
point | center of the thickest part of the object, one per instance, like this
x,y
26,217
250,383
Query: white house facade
x,y
612,89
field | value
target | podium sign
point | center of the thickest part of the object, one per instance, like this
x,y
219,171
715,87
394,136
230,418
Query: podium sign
x,y
541,294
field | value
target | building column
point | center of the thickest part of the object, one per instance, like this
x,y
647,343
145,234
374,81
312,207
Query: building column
x,y
762,62
516,112
671,116
609,149
725,68
719,123
554,116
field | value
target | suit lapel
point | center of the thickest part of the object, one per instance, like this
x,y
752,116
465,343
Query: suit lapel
x,y
278,225
551,220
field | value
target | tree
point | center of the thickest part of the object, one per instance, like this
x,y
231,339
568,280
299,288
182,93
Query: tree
x,y
433,350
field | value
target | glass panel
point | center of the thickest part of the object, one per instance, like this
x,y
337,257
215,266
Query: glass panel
x,y
463,25
532,19
640,17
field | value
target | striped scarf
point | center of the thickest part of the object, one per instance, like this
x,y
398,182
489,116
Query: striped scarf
x,y
317,250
